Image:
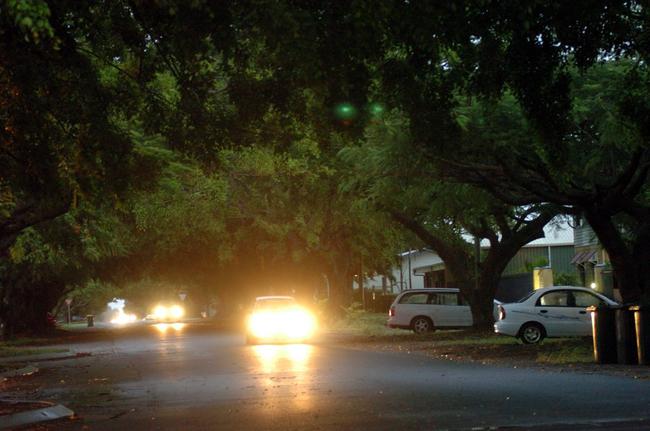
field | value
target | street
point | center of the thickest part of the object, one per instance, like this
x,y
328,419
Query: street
x,y
179,376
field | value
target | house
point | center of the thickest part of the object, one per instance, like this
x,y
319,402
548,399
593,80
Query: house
x,y
592,261
422,268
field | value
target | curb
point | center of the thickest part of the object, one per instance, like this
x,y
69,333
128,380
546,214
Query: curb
x,y
36,357
30,417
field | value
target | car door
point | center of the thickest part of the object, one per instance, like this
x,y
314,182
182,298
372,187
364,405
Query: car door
x,y
554,312
582,301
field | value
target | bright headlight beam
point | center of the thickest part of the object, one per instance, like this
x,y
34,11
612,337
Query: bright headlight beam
x,y
282,324
176,312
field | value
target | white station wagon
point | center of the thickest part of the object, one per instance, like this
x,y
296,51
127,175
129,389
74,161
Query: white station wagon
x,y
557,311
423,310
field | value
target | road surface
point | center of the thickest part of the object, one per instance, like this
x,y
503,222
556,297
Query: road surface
x,y
181,377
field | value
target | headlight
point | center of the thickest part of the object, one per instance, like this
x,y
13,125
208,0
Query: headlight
x,y
160,312
287,324
176,312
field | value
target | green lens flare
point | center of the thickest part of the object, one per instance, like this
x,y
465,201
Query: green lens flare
x,y
376,109
345,111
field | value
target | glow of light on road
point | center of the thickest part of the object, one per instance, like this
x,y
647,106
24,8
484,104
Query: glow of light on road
x,y
286,363
285,357
164,327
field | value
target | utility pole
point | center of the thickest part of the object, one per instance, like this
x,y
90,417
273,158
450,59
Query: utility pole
x,y
410,278
477,260
360,280
68,301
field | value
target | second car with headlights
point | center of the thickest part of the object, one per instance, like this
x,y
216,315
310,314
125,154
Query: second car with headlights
x,y
279,319
167,313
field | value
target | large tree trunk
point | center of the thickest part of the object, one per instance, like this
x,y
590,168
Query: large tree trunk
x,y
458,258
340,280
629,259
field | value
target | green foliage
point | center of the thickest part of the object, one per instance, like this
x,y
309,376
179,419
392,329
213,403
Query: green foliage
x,y
541,262
32,18
565,279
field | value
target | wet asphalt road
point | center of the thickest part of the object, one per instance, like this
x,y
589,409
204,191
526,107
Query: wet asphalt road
x,y
195,378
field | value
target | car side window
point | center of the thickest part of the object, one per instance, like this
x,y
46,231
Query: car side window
x,y
554,299
415,298
446,298
586,299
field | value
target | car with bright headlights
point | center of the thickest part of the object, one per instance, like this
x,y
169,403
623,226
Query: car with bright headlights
x,y
279,319
167,313
558,311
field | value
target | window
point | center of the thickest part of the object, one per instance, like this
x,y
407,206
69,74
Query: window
x,y
444,298
586,299
415,298
554,299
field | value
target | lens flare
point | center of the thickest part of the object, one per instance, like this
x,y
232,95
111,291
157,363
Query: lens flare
x,y
119,316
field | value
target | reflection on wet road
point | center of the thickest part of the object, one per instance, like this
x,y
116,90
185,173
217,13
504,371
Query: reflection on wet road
x,y
164,327
285,367
175,376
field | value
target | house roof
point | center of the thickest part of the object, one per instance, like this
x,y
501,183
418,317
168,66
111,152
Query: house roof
x,y
582,257
554,235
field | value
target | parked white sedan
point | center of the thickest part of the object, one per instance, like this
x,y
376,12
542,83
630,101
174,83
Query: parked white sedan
x,y
557,311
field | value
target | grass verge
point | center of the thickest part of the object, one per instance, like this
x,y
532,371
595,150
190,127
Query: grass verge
x,y
13,351
362,328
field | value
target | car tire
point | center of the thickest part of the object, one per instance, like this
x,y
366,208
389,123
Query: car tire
x,y
422,325
532,333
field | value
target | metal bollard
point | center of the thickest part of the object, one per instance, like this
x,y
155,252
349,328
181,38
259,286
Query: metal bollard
x,y
642,329
626,350
603,326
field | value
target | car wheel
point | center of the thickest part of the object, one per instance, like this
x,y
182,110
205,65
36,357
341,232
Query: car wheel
x,y
532,333
422,325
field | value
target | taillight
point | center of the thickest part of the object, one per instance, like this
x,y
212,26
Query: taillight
x,y
391,312
502,312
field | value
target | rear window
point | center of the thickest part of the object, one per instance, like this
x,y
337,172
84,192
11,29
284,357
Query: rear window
x,y
586,299
446,298
528,295
415,298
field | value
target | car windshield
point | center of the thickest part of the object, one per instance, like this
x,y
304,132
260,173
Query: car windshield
x,y
274,303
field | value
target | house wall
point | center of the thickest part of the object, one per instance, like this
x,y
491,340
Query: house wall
x,y
527,257
584,235
516,279
561,259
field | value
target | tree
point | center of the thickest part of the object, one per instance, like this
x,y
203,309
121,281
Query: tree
x,y
401,180
48,260
537,139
